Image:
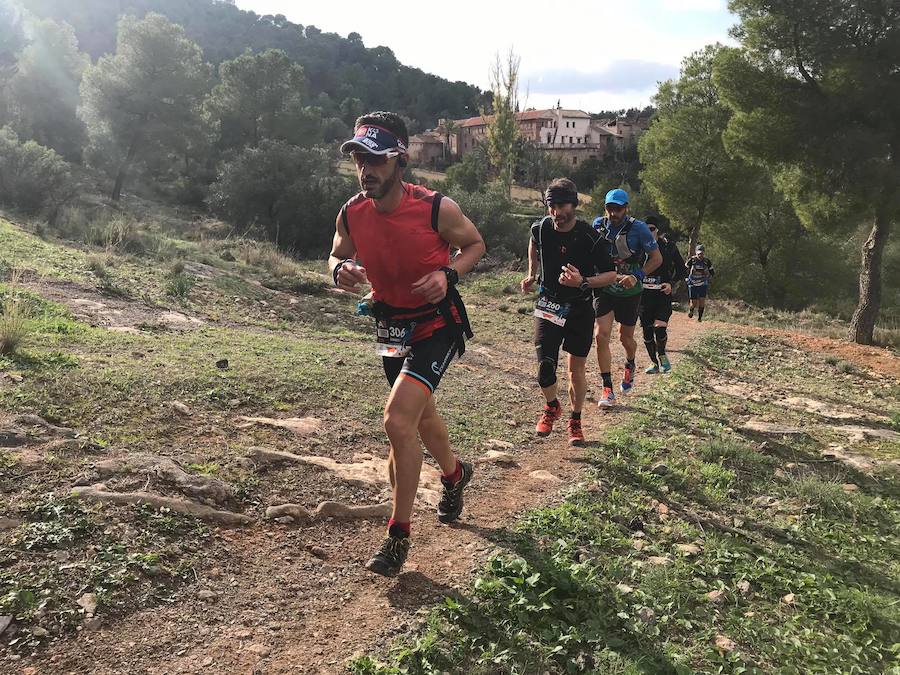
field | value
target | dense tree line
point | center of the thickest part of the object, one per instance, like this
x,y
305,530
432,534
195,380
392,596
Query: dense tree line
x,y
343,77
784,152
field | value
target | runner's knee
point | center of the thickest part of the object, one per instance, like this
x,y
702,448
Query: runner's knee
x,y
546,372
398,425
662,333
648,334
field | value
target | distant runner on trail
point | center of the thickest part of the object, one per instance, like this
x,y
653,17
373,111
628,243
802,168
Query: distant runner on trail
x,y
636,254
700,273
398,236
656,300
572,260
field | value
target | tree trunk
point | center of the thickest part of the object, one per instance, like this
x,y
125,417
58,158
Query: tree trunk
x,y
862,325
694,230
123,171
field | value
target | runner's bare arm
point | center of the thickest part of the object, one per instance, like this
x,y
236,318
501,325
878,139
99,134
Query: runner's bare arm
x,y
349,276
534,263
654,260
458,231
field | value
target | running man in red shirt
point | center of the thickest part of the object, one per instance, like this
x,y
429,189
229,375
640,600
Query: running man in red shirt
x,y
398,237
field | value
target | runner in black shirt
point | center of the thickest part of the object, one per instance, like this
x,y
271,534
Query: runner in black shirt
x,y
573,259
699,273
656,300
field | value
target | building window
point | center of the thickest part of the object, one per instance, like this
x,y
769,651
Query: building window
x,y
549,138
574,160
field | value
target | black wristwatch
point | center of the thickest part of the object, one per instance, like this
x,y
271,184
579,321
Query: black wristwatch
x,y
584,285
452,276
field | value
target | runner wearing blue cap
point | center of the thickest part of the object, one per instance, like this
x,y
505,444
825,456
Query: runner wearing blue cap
x,y
700,272
635,254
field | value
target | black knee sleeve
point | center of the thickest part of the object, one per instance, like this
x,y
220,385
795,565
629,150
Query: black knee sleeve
x,y
662,336
546,372
648,333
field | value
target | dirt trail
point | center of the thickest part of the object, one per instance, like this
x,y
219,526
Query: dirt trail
x,y
280,599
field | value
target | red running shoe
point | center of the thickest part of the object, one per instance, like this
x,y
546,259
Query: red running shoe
x,y
548,417
576,436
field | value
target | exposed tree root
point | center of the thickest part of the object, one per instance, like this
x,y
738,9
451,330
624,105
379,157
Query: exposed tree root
x,y
184,506
364,471
329,510
37,421
205,488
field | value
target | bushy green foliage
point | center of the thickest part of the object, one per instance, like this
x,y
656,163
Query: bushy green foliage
x,y
259,97
343,76
32,178
293,193
144,100
43,93
489,208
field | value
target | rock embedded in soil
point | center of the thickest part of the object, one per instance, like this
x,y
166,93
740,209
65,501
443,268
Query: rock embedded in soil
x,y
301,426
496,457
88,602
725,644
771,428
545,476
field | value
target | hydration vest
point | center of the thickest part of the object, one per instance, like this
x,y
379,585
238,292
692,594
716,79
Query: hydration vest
x,y
626,260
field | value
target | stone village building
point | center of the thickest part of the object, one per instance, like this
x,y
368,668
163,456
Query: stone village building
x,y
571,135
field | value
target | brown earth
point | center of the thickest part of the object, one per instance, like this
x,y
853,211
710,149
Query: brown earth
x,y
877,359
278,598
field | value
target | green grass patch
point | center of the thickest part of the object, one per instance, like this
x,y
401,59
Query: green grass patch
x,y
126,557
682,534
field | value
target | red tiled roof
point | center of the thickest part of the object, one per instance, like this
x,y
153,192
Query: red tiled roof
x,y
526,116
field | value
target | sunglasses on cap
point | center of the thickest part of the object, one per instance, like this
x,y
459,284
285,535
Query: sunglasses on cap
x,y
367,158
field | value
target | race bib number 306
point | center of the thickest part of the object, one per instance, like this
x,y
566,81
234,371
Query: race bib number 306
x,y
393,337
554,312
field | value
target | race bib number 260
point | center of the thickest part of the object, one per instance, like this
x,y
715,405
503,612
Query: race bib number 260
x,y
554,312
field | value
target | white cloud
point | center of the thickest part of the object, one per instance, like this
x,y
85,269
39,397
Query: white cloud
x,y
572,38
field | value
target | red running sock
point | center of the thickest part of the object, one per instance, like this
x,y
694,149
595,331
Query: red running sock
x,y
456,475
396,529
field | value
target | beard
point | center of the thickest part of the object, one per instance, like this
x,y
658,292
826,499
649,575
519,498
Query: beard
x,y
380,189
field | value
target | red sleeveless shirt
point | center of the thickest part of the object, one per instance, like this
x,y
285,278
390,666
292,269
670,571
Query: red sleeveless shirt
x,y
399,247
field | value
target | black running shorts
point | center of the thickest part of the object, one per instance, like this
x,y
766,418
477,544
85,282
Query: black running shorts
x,y
426,363
625,308
696,292
575,337
655,306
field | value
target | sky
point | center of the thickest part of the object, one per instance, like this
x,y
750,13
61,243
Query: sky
x,y
587,55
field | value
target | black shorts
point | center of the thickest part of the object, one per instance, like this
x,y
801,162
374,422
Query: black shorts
x,y
427,361
655,306
625,308
575,337
696,292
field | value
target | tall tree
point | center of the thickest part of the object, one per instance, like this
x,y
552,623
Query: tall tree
x,y
259,97
146,97
815,87
503,130
12,40
43,94
686,168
